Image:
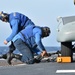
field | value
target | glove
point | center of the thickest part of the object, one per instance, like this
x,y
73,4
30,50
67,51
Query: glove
x,y
44,53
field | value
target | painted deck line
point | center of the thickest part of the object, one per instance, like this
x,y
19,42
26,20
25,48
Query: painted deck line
x,y
19,65
65,71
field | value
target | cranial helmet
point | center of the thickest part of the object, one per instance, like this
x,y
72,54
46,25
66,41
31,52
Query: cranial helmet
x,y
3,15
45,31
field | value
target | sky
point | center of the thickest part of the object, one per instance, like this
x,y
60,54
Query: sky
x,y
41,12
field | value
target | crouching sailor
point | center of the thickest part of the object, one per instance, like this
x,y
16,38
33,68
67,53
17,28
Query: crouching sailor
x,y
29,41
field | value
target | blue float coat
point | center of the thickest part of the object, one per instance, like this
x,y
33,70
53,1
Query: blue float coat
x,y
17,22
32,36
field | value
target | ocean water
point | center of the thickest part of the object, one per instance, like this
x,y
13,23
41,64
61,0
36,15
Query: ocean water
x,y
4,49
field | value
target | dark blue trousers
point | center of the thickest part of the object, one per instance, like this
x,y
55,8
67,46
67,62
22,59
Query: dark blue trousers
x,y
27,55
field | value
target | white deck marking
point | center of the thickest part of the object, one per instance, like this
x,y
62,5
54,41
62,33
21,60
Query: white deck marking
x,y
65,71
19,65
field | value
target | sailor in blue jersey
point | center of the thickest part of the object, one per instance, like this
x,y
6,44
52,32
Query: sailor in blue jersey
x,y
17,22
29,41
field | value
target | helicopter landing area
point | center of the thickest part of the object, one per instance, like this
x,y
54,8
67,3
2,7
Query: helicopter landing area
x,y
43,68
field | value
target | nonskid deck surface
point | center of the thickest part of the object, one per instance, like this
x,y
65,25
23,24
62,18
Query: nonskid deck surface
x,y
3,62
43,68
48,68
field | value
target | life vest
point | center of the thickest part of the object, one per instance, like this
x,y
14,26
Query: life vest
x,y
28,37
23,20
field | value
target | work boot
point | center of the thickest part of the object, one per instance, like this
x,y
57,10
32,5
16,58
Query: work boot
x,y
11,47
18,56
10,56
4,56
38,59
